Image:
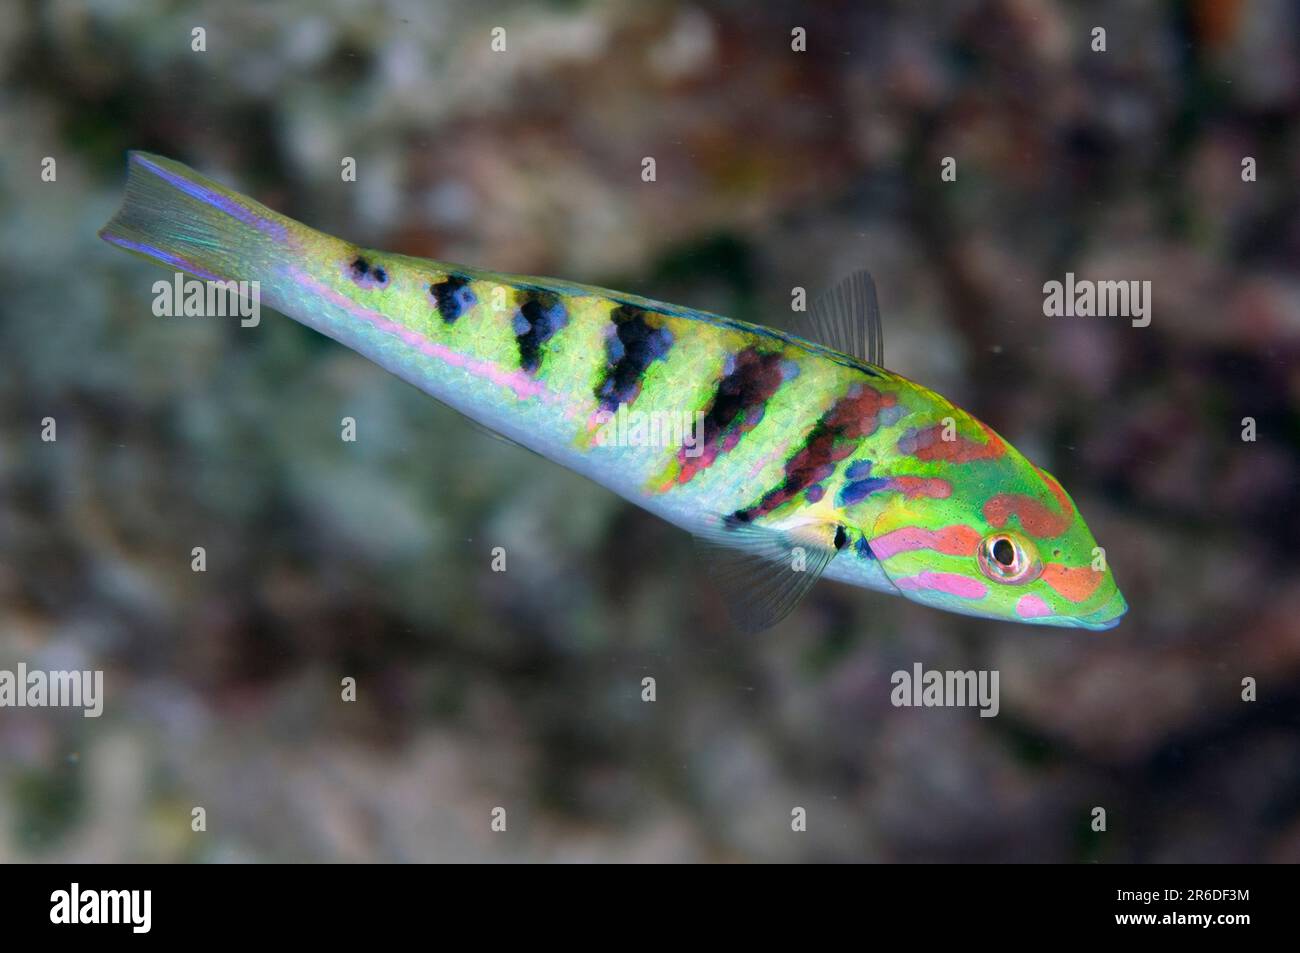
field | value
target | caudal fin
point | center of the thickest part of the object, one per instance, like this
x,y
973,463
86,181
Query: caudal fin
x,y
175,216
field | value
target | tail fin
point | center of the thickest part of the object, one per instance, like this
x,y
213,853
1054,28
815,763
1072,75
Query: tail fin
x,y
173,215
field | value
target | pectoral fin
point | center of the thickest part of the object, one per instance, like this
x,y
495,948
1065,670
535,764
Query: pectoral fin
x,y
763,572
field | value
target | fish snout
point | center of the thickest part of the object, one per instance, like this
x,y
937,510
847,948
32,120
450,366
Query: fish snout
x,y
1106,617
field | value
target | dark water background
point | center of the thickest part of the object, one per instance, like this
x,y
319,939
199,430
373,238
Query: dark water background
x,y
523,689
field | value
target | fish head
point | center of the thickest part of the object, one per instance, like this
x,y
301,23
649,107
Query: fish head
x,y
967,524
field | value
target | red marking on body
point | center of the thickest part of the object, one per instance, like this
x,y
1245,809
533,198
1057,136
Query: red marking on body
x,y
928,444
912,487
736,409
833,438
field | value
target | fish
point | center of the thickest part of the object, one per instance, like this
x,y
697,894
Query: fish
x,y
789,456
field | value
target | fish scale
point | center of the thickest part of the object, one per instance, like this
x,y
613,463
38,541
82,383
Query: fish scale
x,y
813,461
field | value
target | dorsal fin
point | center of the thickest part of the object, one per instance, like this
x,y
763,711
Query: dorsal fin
x,y
762,572
846,318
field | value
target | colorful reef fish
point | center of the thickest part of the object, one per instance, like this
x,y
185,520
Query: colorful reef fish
x,y
801,457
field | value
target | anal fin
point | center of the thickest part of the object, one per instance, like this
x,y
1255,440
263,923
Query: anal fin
x,y
487,431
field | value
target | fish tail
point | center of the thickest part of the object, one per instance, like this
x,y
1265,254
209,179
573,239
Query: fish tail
x,y
175,216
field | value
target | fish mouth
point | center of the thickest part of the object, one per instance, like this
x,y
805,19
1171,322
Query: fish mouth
x,y
1107,617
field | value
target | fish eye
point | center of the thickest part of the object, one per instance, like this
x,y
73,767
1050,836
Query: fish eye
x,y
1004,557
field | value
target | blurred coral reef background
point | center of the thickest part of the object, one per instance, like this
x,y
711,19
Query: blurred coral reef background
x,y
522,689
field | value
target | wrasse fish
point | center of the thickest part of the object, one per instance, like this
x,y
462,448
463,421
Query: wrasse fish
x,y
811,460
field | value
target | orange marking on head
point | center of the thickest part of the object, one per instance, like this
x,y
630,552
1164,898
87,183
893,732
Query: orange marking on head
x,y
955,540
1075,583
1035,518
